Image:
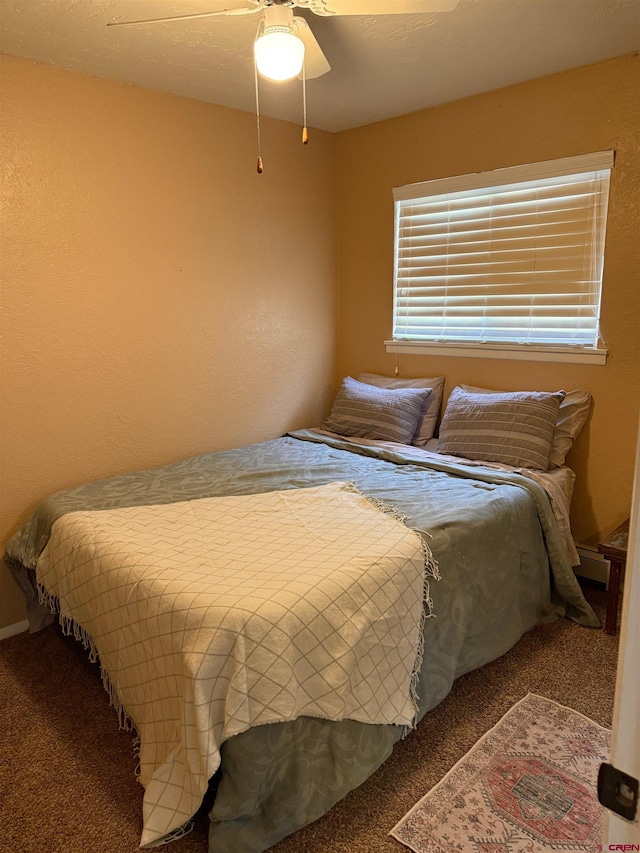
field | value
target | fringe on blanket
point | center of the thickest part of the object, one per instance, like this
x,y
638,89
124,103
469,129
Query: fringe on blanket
x,y
70,628
431,570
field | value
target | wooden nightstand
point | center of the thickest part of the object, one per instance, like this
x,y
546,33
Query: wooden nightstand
x,y
615,549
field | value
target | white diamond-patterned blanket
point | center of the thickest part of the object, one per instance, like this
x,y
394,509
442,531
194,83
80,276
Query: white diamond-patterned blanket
x,y
214,615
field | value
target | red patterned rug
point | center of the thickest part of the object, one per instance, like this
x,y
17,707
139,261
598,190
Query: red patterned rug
x,y
528,786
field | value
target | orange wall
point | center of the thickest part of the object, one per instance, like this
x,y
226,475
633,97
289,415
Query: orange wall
x,y
578,111
160,299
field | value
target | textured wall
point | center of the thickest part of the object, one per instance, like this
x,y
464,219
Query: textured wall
x,y
576,112
160,299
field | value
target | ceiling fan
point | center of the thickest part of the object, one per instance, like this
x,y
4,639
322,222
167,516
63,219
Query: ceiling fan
x,y
277,54
285,46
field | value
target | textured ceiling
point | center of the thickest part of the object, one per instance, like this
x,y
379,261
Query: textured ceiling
x,y
381,66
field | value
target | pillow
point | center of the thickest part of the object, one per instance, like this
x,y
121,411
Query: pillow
x,y
514,428
427,425
386,414
573,414
574,411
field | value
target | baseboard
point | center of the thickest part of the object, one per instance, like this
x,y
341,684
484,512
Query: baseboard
x,y
12,630
593,565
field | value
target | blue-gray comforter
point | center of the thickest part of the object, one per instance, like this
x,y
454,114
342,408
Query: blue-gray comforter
x,y
503,569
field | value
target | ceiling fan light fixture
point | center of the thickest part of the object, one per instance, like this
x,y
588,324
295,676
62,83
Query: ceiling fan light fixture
x,y
279,52
279,55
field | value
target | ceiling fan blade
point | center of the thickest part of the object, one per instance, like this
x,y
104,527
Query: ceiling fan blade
x,y
380,7
241,10
315,62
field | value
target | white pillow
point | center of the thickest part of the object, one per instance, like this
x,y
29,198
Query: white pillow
x,y
427,425
572,416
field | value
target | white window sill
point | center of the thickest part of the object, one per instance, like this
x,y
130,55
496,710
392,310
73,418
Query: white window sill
x,y
518,352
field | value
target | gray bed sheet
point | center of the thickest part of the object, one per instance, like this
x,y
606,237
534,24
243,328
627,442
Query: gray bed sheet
x,y
503,570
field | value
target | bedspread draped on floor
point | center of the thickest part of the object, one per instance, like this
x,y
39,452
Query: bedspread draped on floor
x,y
281,776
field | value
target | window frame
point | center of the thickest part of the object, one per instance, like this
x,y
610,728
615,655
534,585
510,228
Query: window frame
x,y
538,351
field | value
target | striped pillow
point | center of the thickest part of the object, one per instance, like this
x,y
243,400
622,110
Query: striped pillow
x,y
427,425
514,428
385,414
572,416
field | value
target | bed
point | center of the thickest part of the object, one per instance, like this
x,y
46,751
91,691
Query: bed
x,y
476,602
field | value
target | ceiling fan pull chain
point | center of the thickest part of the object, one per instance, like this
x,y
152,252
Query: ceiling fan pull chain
x,y
255,68
305,132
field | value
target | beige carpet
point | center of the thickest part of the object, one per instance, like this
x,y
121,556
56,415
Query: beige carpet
x,y
67,773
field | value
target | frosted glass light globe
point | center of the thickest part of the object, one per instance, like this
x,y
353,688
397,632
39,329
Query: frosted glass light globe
x,y
279,55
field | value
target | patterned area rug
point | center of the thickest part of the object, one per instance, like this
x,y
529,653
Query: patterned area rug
x,y
528,786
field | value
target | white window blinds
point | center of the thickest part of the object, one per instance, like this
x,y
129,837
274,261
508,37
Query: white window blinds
x,y
511,256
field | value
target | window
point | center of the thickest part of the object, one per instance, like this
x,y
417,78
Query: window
x,y
505,263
